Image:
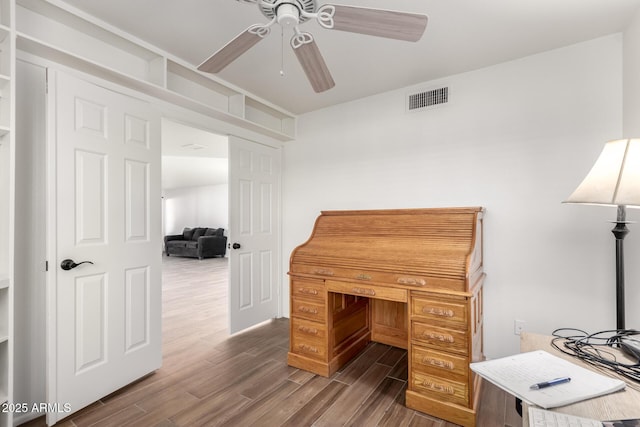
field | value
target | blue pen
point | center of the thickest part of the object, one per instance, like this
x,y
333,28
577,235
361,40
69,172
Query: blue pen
x,y
550,383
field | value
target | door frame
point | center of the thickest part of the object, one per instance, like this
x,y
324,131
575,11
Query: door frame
x,y
51,208
30,253
167,110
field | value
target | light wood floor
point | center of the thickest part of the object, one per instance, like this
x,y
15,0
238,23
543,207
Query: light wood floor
x,y
208,378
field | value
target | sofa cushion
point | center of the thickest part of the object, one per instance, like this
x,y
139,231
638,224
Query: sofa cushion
x,y
187,233
193,244
177,243
215,232
197,232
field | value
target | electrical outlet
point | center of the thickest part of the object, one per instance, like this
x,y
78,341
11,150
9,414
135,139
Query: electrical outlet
x,y
518,326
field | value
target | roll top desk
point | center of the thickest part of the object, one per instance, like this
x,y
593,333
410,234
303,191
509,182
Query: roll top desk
x,y
410,278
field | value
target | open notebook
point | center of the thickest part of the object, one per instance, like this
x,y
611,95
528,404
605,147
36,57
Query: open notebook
x,y
516,374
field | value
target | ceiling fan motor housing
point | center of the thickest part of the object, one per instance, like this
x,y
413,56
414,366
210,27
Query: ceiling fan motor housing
x,y
288,15
284,8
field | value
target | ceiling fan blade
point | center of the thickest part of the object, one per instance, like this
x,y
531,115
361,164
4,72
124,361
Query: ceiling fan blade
x,y
232,50
312,62
375,22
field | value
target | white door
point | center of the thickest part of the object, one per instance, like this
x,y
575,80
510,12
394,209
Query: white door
x,y
105,204
254,233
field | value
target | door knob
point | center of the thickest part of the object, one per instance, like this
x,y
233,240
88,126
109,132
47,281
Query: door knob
x,y
236,246
68,264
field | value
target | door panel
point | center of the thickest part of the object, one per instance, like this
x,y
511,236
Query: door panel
x,y
266,276
104,319
91,197
137,291
137,209
90,325
254,201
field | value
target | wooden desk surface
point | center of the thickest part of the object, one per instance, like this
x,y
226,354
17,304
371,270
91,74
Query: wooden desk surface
x,y
615,406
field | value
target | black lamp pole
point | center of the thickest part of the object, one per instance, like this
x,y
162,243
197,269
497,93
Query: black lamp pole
x,y
620,231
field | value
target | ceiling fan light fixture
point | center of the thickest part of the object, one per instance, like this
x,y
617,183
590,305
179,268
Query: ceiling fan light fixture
x,y
288,15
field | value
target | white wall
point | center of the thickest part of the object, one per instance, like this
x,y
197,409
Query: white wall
x,y
516,138
631,129
631,79
205,206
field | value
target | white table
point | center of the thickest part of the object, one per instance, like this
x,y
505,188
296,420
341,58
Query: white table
x,y
615,406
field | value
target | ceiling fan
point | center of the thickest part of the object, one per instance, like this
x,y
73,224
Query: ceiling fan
x,y
291,13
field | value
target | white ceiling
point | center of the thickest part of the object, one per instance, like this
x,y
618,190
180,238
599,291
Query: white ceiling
x,y
461,35
192,157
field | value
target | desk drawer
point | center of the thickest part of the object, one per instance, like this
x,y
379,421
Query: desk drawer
x,y
440,389
449,313
310,330
368,290
410,280
312,289
311,310
308,346
440,338
431,362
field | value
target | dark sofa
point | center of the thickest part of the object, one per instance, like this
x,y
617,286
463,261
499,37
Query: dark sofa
x,y
199,242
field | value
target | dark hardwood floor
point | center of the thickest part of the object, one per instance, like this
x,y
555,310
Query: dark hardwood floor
x,y
209,379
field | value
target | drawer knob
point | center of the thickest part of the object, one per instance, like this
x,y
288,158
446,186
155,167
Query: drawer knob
x,y
363,277
308,348
440,388
411,281
438,362
437,311
438,337
307,330
308,291
304,309
323,272
363,291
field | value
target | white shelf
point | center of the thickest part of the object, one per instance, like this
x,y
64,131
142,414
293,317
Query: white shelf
x,y
195,85
55,31
5,101
5,49
44,50
7,163
44,21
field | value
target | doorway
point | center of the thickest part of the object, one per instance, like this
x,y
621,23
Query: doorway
x,y
195,193
195,178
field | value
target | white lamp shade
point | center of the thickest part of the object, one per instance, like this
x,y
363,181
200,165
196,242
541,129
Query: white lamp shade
x,y
615,177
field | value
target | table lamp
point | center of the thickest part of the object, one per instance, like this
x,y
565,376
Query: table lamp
x,y
614,180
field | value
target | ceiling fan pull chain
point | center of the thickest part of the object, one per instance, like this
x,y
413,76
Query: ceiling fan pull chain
x,y
282,51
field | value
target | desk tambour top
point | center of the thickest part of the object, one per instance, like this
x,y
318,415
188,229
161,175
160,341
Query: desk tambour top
x,y
437,248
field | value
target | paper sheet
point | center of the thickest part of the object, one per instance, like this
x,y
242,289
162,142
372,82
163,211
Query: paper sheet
x,y
517,373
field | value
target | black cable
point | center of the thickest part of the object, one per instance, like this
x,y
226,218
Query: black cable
x,y
595,349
